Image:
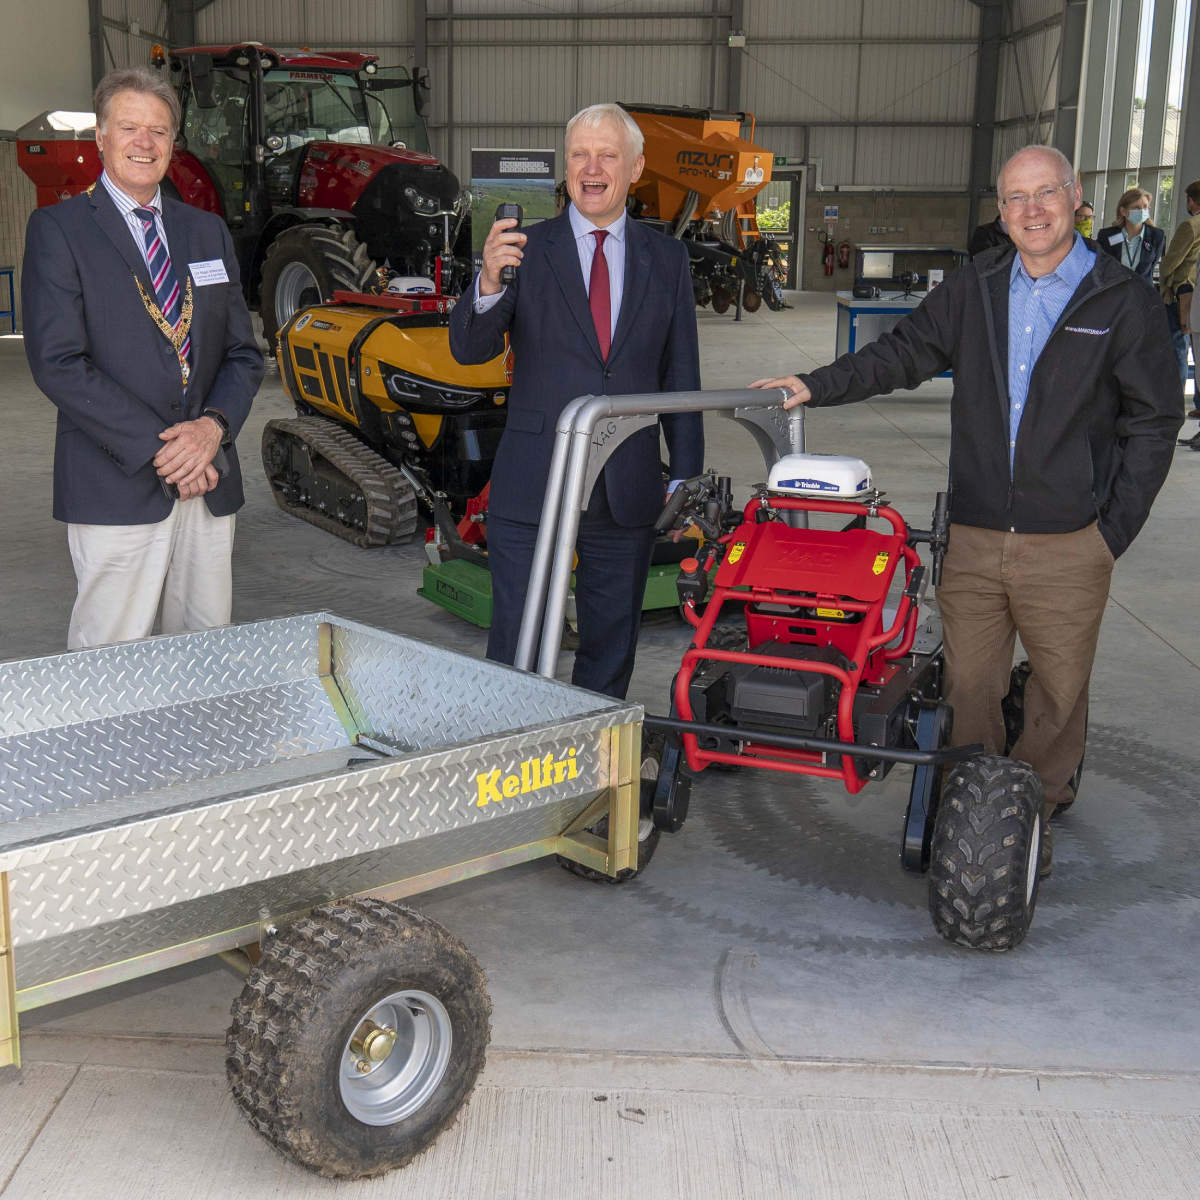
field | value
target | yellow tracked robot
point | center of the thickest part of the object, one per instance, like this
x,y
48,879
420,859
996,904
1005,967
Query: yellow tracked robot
x,y
385,418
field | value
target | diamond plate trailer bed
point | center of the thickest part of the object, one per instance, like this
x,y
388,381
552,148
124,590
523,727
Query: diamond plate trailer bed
x,y
277,786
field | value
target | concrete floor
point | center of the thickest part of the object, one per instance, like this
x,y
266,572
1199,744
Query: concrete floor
x,y
767,1011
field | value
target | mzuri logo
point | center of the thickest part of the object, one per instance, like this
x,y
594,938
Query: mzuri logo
x,y
1085,329
532,775
700,158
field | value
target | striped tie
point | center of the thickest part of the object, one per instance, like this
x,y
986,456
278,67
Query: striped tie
x,y
166,286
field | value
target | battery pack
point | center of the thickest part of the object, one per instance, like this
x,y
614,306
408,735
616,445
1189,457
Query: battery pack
x,y
792,700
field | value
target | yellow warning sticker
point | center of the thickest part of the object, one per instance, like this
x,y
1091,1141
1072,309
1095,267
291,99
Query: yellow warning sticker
x,y
881,562
736,551
832,614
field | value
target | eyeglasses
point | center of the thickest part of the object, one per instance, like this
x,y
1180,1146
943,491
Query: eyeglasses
x,y
1042,196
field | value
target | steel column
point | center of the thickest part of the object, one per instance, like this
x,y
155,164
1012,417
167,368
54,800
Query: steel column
x,y
983,135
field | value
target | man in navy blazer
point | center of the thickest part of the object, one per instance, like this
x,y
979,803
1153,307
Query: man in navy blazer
x,y
151,386
611,314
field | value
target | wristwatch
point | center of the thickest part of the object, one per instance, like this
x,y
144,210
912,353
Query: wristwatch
x,y
219,417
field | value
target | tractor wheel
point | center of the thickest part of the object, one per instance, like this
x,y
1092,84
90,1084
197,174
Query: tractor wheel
x,y
983,877
305,265
358,1037
1013,707
652,748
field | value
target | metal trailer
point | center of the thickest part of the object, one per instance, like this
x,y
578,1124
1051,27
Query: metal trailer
x,y
278,786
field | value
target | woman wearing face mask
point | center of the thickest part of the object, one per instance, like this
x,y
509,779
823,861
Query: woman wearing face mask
x,y
1085,218
1134,240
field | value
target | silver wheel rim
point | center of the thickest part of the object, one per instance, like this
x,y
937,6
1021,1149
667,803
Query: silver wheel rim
x,y
294,281
1031,865
402,1081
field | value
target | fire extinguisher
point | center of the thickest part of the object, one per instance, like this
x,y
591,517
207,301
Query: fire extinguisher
x,y
843,255
828,257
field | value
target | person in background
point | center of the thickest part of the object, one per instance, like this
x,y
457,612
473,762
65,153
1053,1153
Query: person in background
x,y
1062,427
993,233
1134,240
1175,279
1085,216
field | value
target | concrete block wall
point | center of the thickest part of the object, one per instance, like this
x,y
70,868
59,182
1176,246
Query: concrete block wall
x,y
20,199
910,218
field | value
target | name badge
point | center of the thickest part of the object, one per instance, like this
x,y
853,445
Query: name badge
x,y
210,271
1116,239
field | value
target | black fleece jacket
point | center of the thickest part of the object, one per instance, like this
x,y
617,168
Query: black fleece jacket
x,y
1105,402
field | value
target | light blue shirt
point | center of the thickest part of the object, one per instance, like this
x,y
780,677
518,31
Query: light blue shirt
x,y
585,244
1034,307
125,206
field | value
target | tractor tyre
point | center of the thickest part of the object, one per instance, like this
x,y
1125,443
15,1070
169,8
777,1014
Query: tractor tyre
x,y
1013,707
652,748
983,877
358,1037
305,265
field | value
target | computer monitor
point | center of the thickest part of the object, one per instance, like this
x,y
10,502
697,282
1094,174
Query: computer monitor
x,y
878,264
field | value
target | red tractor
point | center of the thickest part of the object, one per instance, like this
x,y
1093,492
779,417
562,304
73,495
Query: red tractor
x,y
318,162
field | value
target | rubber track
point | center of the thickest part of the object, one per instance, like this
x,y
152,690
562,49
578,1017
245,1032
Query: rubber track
x,y
987,815
391,501
279,996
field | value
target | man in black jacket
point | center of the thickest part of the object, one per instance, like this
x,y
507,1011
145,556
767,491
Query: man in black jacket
x,y
1062,425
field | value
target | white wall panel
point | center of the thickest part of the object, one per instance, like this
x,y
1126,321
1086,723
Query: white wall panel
x,y
834,149
359,24
1026,12
925,83
1028,77
799,83
938,159
535,85
767,19
930,19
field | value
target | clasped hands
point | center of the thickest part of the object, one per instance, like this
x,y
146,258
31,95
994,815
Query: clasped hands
x,y
186,457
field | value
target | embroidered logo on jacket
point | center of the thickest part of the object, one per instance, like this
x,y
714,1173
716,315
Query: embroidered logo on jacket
x,y
1085,329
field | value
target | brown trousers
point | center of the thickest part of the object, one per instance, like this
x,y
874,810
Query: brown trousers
x,y
1051,589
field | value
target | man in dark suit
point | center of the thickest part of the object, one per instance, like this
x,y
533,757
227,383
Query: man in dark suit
x,y
600,305
135,327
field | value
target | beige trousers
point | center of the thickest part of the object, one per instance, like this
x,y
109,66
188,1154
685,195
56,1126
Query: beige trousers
x,y
1051,588
124,572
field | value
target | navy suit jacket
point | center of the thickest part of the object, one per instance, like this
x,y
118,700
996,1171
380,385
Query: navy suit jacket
x,y
556,357
1154,242
95,351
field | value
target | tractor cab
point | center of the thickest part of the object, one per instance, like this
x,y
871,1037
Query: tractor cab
x,y
331,141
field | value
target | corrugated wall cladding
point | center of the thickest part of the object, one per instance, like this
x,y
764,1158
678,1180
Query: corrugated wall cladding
x,y
1028,77
922,20
801,83
365,24
933,158
437,8
1027,12
926,83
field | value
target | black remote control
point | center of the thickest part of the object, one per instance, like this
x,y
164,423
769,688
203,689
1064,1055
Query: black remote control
x,y
504,212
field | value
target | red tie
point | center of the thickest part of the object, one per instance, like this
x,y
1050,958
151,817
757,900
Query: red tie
x,y
598,298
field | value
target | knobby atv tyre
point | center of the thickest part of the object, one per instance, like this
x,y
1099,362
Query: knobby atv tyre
x,y
288,1051
648,835
306,265
983,877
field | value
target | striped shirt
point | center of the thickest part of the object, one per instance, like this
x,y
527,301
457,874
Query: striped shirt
x,y
1034,307
125,206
